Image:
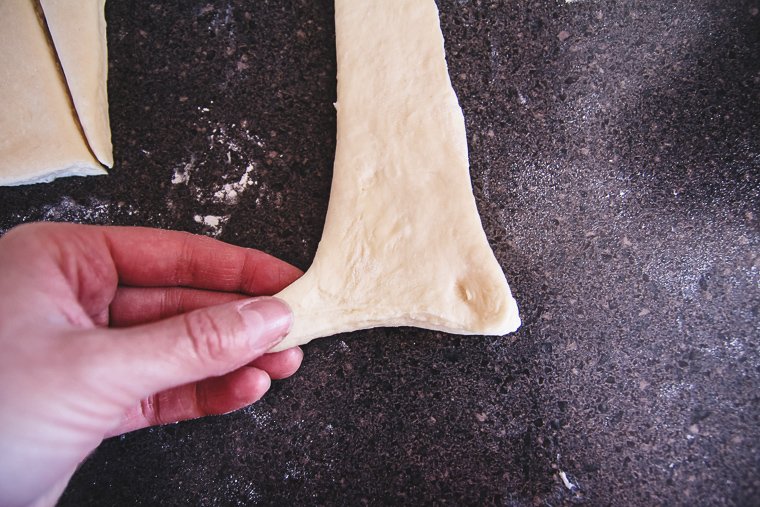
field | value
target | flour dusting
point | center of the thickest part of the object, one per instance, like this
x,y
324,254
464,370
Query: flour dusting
x,y
230,145
182,173
91,211
261,418
214,224
230,192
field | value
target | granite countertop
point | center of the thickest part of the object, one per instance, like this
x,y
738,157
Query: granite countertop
x,y
615,149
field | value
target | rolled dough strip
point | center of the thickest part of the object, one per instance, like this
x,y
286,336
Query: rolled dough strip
x,y
403,244
78,30
40,138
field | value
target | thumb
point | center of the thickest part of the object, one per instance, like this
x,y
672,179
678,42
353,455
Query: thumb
x,y
193,346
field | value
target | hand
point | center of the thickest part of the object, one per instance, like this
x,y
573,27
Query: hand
x,y
67,381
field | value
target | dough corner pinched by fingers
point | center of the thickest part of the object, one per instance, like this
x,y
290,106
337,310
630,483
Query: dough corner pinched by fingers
x,y
403,244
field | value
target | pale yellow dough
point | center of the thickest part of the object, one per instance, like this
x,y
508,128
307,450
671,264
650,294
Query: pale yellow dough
x,y
78,30
403,244
40,137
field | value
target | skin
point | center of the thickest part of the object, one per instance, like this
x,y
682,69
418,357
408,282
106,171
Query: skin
x,y
105,330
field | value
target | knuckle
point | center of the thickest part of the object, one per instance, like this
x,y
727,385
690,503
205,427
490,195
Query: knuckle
x,y
34,237
202,404
151,410
209,340
169,303
25,231
184,267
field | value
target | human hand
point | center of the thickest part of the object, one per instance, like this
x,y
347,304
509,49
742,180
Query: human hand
x,y
67,381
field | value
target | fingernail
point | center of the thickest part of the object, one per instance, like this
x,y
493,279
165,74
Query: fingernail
x,y
269,319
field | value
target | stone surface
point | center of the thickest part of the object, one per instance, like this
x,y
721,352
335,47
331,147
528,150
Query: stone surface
x,y
615,151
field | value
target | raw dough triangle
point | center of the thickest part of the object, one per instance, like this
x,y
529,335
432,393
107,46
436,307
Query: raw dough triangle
x,y
39,135
403,244
78,30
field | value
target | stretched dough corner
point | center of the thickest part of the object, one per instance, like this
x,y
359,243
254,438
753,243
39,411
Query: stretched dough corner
x,y
403,244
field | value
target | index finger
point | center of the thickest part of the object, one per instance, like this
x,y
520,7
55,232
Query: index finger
x,y
146,257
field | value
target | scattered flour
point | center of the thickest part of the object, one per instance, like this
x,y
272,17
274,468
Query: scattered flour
x,y
673,391
230,192
237,146
214,223
92,211
680,271
232,153
261,417
727,348
182,173
240,486
219,136
294,471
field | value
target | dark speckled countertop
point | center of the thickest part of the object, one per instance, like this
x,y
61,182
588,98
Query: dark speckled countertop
x,y
615,151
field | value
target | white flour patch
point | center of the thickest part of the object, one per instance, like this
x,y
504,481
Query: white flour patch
x,y
230,192
182,173
213,223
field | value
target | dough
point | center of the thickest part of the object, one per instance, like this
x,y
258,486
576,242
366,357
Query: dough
x,y
40,138
403,244
78,31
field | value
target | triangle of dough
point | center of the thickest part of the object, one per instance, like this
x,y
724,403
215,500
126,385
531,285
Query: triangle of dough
x,y
40,137
403,244
78,30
